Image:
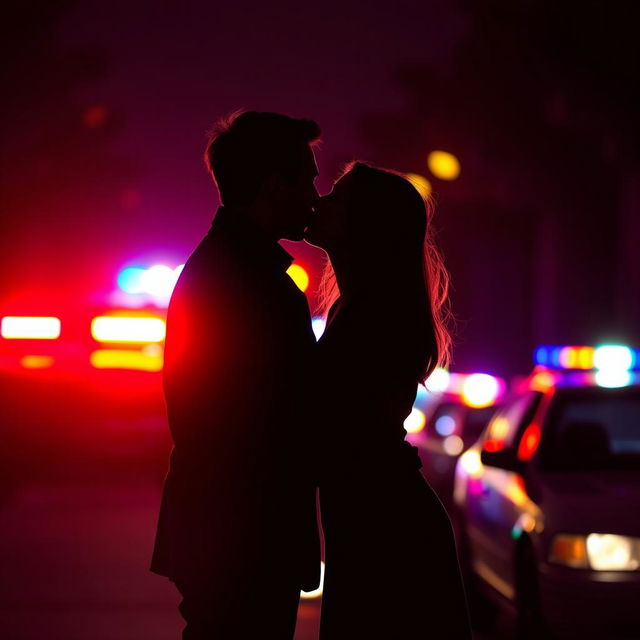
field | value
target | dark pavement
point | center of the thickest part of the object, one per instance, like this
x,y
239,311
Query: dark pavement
x,y
75,550
75,562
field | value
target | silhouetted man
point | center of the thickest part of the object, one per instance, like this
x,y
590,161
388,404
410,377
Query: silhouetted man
x,y
237,526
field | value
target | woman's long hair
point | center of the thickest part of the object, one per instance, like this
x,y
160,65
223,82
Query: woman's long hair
x,y
379,194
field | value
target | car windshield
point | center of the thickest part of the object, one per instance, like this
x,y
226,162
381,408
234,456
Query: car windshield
x,y
592,429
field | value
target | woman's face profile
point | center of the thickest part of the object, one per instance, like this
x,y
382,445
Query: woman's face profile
x,y
328,228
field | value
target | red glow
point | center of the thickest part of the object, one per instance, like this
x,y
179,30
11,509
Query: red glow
x,y
493,445
95,117
529,443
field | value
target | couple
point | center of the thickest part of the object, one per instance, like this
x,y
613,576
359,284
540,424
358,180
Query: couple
x,y
261,415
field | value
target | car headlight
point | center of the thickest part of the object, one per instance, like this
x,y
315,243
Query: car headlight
x,y
598,551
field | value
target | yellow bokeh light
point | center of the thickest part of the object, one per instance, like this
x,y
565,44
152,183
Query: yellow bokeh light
x,y
299,275
415,421
443,165
542,381
124,359
422,185
499,428
471,463
138,329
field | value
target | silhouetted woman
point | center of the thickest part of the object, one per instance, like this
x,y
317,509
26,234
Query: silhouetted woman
x,y
391,565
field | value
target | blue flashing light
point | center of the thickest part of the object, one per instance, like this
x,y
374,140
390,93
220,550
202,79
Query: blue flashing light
x,y
130,280
555,357
541,357
604,357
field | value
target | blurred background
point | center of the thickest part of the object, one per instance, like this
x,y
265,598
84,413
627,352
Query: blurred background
x,y
519,118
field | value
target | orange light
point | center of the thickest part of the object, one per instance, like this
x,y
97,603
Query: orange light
x,y
516,492
30,327
37,362
422,185
529,443
576,357
568,357
542,381
299,275
499,428
443,165
569,550
121,329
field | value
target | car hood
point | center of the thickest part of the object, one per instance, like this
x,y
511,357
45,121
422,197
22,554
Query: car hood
x,y
602,502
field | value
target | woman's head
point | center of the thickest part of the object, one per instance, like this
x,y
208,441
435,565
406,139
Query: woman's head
x,y
375,227
360,212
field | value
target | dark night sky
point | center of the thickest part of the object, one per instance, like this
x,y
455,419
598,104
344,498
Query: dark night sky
x,y
175,68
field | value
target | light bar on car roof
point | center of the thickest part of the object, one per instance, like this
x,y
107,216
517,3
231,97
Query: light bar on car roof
x,y
605,357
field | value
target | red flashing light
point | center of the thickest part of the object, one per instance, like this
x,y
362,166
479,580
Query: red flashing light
x,y
493,445
529,442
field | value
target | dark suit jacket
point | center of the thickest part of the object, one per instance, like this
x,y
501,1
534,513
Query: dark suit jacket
x,y
239,497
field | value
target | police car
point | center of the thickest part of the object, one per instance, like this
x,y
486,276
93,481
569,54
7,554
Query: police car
x,y
448,416
549,497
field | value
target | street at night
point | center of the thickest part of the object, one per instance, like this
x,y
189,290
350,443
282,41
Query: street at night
x,y
76,550
75,555
294,287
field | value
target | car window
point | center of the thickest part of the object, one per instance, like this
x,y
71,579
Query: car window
x,y
593,428
476,420
504,427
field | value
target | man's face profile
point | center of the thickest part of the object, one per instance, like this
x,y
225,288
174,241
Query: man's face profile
x,y
299,197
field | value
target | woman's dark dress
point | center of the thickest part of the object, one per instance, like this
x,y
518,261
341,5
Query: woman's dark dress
x,y
391,565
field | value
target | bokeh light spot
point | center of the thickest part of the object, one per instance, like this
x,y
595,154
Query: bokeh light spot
x,y
453,445
158,280
37,362
438,381
445,426
443,165
480,390
415,421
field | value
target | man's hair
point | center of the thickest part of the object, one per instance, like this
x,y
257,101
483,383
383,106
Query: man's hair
x,y
248,146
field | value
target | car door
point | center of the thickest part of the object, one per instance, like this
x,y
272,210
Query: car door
x,y
499,497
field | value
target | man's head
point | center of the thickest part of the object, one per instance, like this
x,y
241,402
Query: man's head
x,y
263,163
